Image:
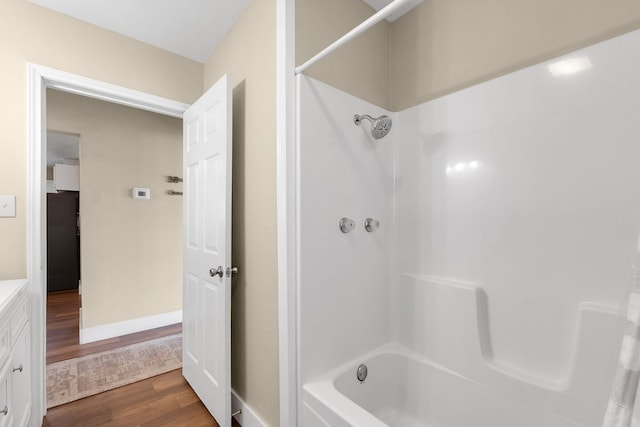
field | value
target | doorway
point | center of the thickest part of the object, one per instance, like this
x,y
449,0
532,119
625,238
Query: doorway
x,y
131,258
41,79
213,120
63,210
63,241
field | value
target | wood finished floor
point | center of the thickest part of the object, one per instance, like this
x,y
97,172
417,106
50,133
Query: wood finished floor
x,y
63,324
164,400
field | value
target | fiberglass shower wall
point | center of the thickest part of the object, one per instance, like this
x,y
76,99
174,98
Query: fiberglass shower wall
x,y
518,212
343,172
510,214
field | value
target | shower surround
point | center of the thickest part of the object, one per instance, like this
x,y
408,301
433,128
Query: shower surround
x,y
493,293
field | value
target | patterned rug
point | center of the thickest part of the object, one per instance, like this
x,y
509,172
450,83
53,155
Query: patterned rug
x,y
84,376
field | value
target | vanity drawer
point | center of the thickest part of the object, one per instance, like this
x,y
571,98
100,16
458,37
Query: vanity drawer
x,y
19,316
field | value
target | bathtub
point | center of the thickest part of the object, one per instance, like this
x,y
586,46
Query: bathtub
x,y
403,389
444,374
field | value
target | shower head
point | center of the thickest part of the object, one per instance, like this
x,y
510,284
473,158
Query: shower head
x,y
380,126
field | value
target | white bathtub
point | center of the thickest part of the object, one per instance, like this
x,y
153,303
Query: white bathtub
x,y
402,389
444,374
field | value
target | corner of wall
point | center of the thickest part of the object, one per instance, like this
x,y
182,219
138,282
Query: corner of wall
x,y
443,46
248,55
359,67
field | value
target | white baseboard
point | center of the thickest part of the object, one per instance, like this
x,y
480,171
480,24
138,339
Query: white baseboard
x,y
247,418
118,329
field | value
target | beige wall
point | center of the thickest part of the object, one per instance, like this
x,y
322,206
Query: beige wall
x,y
442,46
445,45
30,33
131,250
248,55
360,67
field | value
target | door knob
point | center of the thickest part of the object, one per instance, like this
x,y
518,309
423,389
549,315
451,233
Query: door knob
x,y
232,270
216,272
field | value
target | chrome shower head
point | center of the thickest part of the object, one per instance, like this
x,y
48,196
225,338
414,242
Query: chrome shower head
x,y
380,126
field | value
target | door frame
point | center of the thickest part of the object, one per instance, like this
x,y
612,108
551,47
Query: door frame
x,y
287,214
40,79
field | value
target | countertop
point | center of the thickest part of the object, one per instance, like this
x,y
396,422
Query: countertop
x,y
9,289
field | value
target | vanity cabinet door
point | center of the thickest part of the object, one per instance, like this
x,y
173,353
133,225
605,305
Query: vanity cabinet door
x,y
5,411
21,378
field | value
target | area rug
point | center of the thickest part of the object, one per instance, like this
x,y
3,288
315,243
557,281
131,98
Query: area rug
x,y
84,376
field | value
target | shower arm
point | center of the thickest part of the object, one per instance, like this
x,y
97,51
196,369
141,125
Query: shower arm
x,y
358,118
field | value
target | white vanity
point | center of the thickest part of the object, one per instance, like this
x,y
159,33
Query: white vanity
x,y
15,354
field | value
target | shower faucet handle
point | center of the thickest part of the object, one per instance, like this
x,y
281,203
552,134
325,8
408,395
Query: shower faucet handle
x,y
347,225
371,224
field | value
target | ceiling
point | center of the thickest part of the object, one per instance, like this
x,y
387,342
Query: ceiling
x,y
190,28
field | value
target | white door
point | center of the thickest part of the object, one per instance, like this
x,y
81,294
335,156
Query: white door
x,y
207,250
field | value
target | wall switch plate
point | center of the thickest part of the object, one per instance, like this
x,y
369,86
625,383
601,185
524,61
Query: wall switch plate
x,y
7,206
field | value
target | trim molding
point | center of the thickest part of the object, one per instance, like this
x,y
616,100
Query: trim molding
x,y
247,418
117,329
286,211
39,79
84,86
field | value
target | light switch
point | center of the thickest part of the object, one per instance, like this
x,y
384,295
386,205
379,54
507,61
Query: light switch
x,y
7,206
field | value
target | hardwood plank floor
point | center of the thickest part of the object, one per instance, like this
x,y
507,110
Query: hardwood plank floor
x,y
63,324
165,400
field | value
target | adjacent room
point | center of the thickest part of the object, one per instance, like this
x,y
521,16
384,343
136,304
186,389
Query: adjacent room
x,y
129,252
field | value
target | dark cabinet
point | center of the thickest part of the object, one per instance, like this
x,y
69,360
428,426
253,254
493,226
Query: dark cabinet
x,y
63,241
